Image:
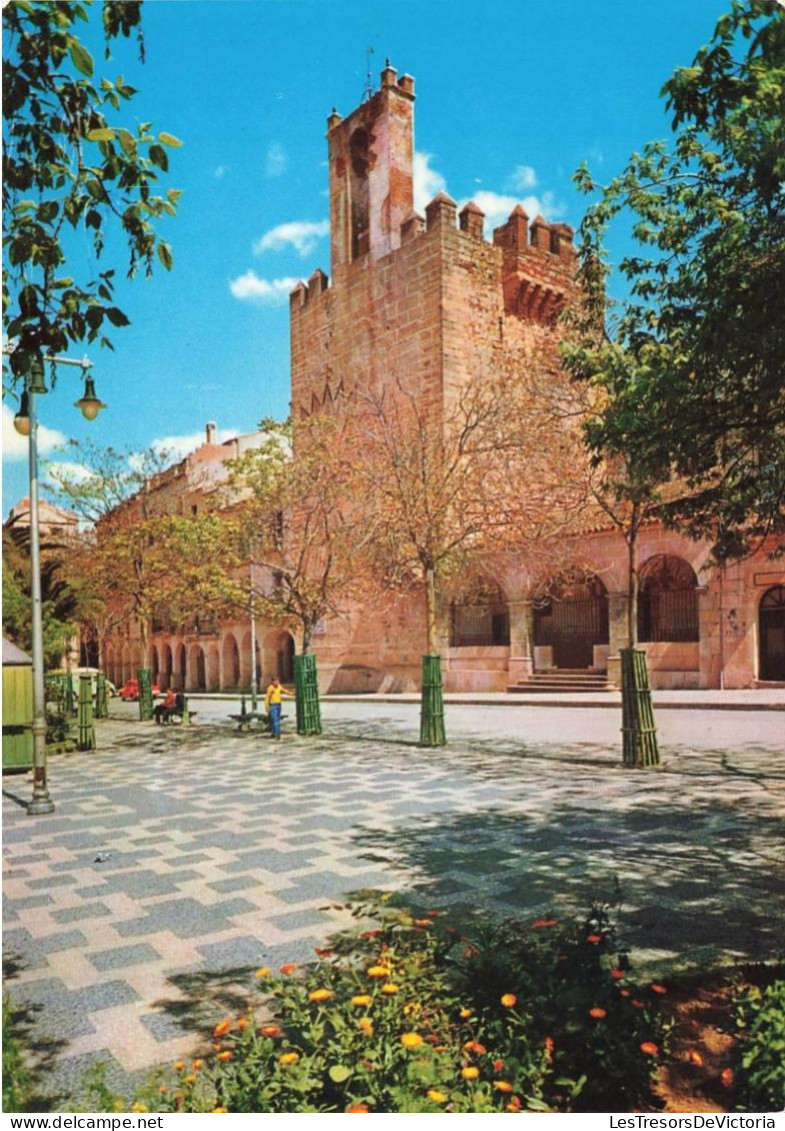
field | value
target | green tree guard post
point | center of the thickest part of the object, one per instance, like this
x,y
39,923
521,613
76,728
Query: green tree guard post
x,y
640,747
432,732
69,703
145,694
86,736
306,690
186,715
101,710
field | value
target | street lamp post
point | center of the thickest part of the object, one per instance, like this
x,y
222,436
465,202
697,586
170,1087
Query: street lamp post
x,y
26,424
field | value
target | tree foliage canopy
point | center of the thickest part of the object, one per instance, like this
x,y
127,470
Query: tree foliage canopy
x,y
69,163
691,365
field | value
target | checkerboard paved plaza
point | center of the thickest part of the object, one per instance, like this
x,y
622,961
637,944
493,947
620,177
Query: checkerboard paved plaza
x,y
179,860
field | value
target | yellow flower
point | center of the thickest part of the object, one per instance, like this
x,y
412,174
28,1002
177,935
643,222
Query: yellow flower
x,y
378,971
221,1028
197,1064
262,973
503,1085
365,1025
411,1040
470,1073
390,988
216,1110
465,1014
178,1066
361,999
436,1096
191,1079
320,995
289,1058
139,1107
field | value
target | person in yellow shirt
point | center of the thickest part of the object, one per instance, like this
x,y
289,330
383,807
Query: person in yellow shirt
x,y
272,705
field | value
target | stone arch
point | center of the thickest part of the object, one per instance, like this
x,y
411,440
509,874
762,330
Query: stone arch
x,y
479,614
167,667
213,668
667,601
180,668
771,635
197,669
570,617
155,664
279,657
230,663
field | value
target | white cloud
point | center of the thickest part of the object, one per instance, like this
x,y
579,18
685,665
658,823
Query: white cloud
x,y
266,292
427,181
523,178
178,447
276,160
497,207
15,447
54,473
220,171
302,235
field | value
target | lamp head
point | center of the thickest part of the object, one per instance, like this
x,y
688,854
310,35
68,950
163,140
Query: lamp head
x,y
22,418
88,403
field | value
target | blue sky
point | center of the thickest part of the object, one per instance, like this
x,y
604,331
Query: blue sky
x,y
510,99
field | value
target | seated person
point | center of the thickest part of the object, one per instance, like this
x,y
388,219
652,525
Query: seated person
x,y
166,708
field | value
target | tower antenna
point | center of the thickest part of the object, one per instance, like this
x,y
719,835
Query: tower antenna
x,y
368,92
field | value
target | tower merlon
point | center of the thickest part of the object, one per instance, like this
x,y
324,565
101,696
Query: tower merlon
x,y
441,210
472,220
412,226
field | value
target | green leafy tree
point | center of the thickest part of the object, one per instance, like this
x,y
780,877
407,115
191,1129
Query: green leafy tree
x,y
71,162
691,365
61,602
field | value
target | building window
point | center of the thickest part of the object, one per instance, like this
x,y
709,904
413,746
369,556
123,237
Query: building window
x,y
668,601
479,617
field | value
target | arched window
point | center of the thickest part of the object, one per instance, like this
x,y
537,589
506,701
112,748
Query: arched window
x,y
772,634
571,617
479,616
358,165
667,601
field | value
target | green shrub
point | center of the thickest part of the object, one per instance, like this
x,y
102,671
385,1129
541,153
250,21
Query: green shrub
x,y
16,1075
410,1017
760,1019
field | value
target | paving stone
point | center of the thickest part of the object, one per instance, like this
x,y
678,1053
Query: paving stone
x,y
52,881
123,956
239,952
103,995
82,911
295,920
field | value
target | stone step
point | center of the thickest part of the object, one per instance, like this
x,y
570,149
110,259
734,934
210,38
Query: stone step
x,y
564,679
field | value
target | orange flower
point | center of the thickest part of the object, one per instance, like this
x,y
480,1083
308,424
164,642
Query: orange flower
x,y
370,934
638,1004
288,1058
625,993
514,1104
694,1057
390,988
221,1028
322,951
503,1086
288,968
217,1046
357,1109
549,1047
263,971
178,1066
498,1066
411,1040
243,1023
656,988
544,923
270,1030
598,1011
423,922
197,1064
726,1076
320,995
508,1000
227,1054
475,1046
470,1073
594,938
465,1013
190,1079
378,971
649,1048
618,974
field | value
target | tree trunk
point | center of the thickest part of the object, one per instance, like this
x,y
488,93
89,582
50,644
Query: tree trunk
x,y
640,748
432,732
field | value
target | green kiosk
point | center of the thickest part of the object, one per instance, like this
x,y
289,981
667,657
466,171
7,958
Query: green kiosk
x,y
17,708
